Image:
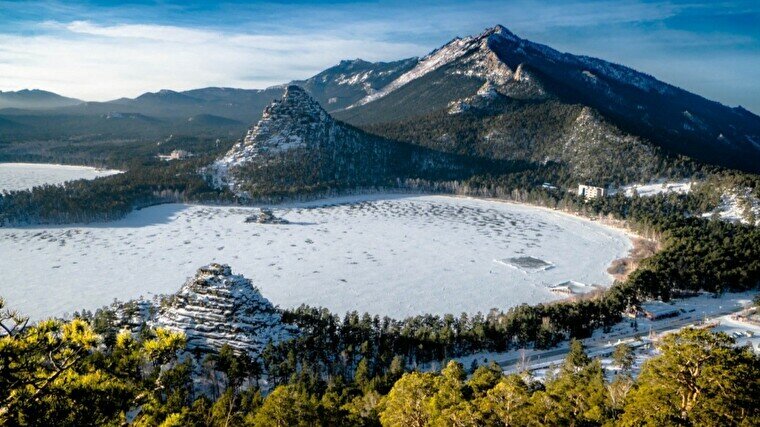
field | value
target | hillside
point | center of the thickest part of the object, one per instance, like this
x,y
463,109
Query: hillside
x,y
351,80
499,91
297,146
493,96
216,308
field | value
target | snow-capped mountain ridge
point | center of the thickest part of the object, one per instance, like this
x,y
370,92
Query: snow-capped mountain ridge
x,y
455,49
487,55
350,80
532,76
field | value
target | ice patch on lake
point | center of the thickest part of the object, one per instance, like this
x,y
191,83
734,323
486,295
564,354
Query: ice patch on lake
x,y
25,176
388,255
526,263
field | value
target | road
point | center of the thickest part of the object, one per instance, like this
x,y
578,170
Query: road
x,y
600,345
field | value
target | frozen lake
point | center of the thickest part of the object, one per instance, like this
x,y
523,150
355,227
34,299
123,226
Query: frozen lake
x,y
24,176
390,255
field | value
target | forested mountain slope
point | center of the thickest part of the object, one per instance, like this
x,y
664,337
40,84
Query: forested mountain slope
x,y
297,146
496,94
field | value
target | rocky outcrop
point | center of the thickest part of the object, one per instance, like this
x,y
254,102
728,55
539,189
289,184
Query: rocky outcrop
x,y
266,216
297,146
286,124
216,307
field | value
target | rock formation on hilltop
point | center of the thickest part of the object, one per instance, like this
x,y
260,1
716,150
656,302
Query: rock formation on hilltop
x,y
297,146
216,307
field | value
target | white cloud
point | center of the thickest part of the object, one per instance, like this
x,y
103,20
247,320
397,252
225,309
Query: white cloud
x,y
164,33
98,62
118,51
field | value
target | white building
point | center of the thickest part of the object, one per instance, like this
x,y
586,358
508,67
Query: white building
x,y
176,155
591,192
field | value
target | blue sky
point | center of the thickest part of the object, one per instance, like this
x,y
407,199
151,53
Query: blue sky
x,y
102,50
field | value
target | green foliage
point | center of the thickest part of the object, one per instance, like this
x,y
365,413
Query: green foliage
x,y
62,373
407,404
702,379
287,406
577,358
623,356
55,373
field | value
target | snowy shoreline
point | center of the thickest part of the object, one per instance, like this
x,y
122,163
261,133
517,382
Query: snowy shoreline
x,y
25,176
374,253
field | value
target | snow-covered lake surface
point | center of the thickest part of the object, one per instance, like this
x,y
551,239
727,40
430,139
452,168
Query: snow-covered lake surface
x,y
24,176
385,254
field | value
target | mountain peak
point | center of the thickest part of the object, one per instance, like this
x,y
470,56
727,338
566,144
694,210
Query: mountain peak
x,y
295,102
295,121
35,99
294,91
351,62
475,49
499,30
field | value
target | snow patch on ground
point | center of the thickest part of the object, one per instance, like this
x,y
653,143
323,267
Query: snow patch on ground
x,y
705,309
25,176
655,188
738,206
385,254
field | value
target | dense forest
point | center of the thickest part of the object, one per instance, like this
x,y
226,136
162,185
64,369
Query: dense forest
x,y
80,372
696,255
353,369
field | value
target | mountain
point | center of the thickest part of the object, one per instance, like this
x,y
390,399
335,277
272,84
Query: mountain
x,y
216,307
35,99
232,104
212,111
493,96
500,96
297,146
205,120
351,80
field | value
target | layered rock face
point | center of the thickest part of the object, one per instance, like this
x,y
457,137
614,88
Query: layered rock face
x,y
216,307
